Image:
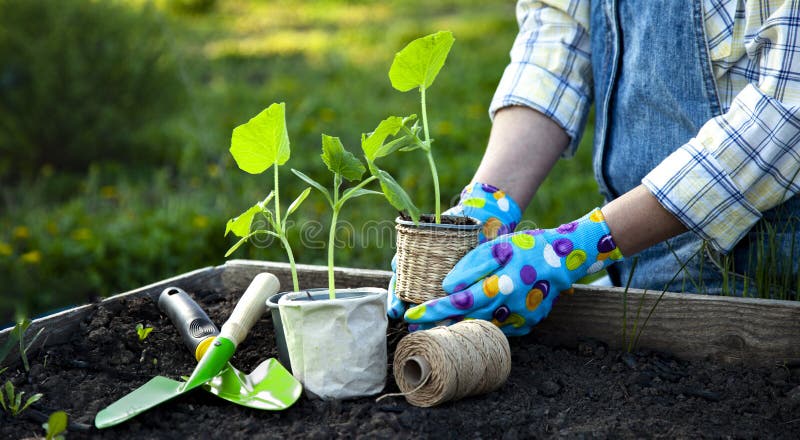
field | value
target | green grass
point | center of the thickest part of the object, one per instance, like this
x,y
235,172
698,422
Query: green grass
x,y
66,239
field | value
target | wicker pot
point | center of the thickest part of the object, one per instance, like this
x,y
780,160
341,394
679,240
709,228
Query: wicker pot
x,y
426,253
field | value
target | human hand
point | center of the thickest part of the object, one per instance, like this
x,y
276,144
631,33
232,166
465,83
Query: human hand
x,y
498,212
513,280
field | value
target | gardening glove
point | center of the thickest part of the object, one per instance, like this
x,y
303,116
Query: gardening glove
x,y
513,280
498,212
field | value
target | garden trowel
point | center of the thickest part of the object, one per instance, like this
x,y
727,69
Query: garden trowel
x,y
160,389
269,386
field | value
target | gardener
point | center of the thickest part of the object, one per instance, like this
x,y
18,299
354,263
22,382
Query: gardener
x,y
697,129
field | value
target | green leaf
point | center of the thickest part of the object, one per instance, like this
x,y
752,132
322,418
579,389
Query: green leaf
x,y
31,400
143,331
3,399
262,141
22,326
296,204
9,387
352,193
15,407
420,61
395,194
315,184
56,424
358,192
372,143
339,160
240,226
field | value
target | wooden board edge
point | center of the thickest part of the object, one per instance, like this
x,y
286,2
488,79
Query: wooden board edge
x,y
725,329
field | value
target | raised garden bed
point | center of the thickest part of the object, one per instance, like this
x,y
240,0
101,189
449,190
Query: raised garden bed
x,y
734,371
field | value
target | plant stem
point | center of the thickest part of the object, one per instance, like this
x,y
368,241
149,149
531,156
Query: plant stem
x,y
434,174
331,239
337,180
292,264
282,235
277,203
364,183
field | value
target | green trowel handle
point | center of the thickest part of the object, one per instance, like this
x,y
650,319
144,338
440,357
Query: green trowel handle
x,y
194,326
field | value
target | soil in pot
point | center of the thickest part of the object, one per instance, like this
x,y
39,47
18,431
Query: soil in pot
x,y
585,392
457,220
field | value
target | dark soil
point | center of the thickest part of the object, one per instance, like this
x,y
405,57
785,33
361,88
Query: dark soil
x,y
552,392
458,220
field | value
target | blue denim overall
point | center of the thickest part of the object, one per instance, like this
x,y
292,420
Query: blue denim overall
x,y
654,88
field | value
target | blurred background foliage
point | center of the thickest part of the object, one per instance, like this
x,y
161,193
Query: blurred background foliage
x,y
116,115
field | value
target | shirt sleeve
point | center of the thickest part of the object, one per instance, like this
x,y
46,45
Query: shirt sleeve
x,y
550,69
746,160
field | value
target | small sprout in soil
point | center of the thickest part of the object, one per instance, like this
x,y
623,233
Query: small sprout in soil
x,y
143,331
55,426
261,143
17,336
12,402
416,67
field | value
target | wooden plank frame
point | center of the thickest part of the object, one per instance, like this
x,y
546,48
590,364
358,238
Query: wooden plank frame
x,y
723,329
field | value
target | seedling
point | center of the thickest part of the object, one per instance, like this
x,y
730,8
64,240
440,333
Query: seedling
x,y
416,67
261,143
12,401
344,166
143,331
55,426
17,335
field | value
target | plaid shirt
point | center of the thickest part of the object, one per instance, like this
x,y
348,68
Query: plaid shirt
x,y
739,164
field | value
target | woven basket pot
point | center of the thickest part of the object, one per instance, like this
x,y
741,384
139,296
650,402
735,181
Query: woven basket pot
x,y
426,252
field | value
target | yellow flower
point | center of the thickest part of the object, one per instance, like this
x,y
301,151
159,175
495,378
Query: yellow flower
x,y
327,114
21,232
32,257
213,170
108,192
5,249
476,111
444,127
82,234
200,221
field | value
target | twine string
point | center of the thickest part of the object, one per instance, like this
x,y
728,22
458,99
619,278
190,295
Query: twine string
x,y
468,358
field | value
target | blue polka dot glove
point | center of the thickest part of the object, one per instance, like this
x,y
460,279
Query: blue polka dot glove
x,y
498,212
513,280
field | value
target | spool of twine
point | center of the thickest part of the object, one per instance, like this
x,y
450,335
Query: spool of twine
x,y
425,255
448,363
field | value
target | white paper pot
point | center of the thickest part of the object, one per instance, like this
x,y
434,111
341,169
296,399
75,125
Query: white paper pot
x,y
337,347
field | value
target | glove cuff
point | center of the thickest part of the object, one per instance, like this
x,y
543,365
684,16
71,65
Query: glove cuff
x,y
499,213
585,246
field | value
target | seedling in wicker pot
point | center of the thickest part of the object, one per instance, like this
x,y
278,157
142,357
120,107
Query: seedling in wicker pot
x,y
261,143
427,251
